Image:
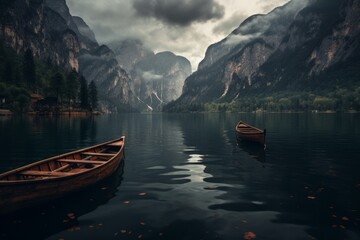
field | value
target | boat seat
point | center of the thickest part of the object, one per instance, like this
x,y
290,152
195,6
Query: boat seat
x,y
45,173
98,154
81,161
116,144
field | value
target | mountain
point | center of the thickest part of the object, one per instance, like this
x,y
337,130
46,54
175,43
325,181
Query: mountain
x,y
84,29
129,52
157,79
52,33
301,46
98,63
31,24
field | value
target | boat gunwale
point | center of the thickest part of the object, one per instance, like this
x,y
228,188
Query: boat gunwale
x,y
259,131
28,181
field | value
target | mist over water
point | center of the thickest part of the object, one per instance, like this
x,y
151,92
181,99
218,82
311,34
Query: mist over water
x,y
186,176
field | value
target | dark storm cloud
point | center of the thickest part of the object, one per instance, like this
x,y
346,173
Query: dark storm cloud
x,y
179,12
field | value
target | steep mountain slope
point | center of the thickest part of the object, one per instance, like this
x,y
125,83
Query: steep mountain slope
x,y
30,24
98,63
47,27
294,47
157,79
129,52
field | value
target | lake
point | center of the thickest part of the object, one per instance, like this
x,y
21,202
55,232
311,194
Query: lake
x,y
185,176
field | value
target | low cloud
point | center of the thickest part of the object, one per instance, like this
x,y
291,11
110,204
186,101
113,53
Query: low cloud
x,y
241,39
151,76
179,12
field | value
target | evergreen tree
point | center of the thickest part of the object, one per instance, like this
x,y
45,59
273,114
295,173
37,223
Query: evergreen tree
x,y
93,95
8,73
29,74
57,84
84,96
72,86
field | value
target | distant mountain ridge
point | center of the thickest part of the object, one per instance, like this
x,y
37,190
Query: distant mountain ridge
x,y
157,79
297,47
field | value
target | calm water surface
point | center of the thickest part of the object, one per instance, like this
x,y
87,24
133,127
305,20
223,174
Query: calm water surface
x,y
186,177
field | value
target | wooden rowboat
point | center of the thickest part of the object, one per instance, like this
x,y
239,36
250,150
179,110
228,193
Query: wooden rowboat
x,y
59,175
249,133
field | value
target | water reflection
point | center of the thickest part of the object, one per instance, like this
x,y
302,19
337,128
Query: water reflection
x,y
61,214
187,177
256,151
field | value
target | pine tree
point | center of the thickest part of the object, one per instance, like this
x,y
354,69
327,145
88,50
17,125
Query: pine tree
x,y
29,74
93,95
72,86
8,73
84,96
57,84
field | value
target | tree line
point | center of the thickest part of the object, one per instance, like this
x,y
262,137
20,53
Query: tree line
x,y
22,75
339,99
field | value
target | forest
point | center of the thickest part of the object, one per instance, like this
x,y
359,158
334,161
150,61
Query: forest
x,y
338,99
23,76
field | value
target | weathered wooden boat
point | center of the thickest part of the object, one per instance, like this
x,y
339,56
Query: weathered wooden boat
x,y
53,177
250,133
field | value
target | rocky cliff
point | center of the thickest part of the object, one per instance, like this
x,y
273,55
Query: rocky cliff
x,y
31,24
299,46
49,30
157,79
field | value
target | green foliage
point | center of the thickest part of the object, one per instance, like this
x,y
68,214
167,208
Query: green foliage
x,y
93,95
340,99
84,94
57,85
22,74
13,97
72,85
29,74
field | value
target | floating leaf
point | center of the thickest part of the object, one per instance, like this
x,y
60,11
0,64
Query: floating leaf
x,y
71,215
142,223
249,235
345,218
311,197
126,202
142,194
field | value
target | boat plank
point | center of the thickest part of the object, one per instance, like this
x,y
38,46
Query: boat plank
x,y
45,173
62,168
116,144
98,154
81,161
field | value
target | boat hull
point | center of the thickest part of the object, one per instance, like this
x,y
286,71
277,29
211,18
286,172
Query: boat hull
x,y
16,195
249,133
255,138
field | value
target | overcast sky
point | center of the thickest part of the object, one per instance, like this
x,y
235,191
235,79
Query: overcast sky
x,y
185,27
